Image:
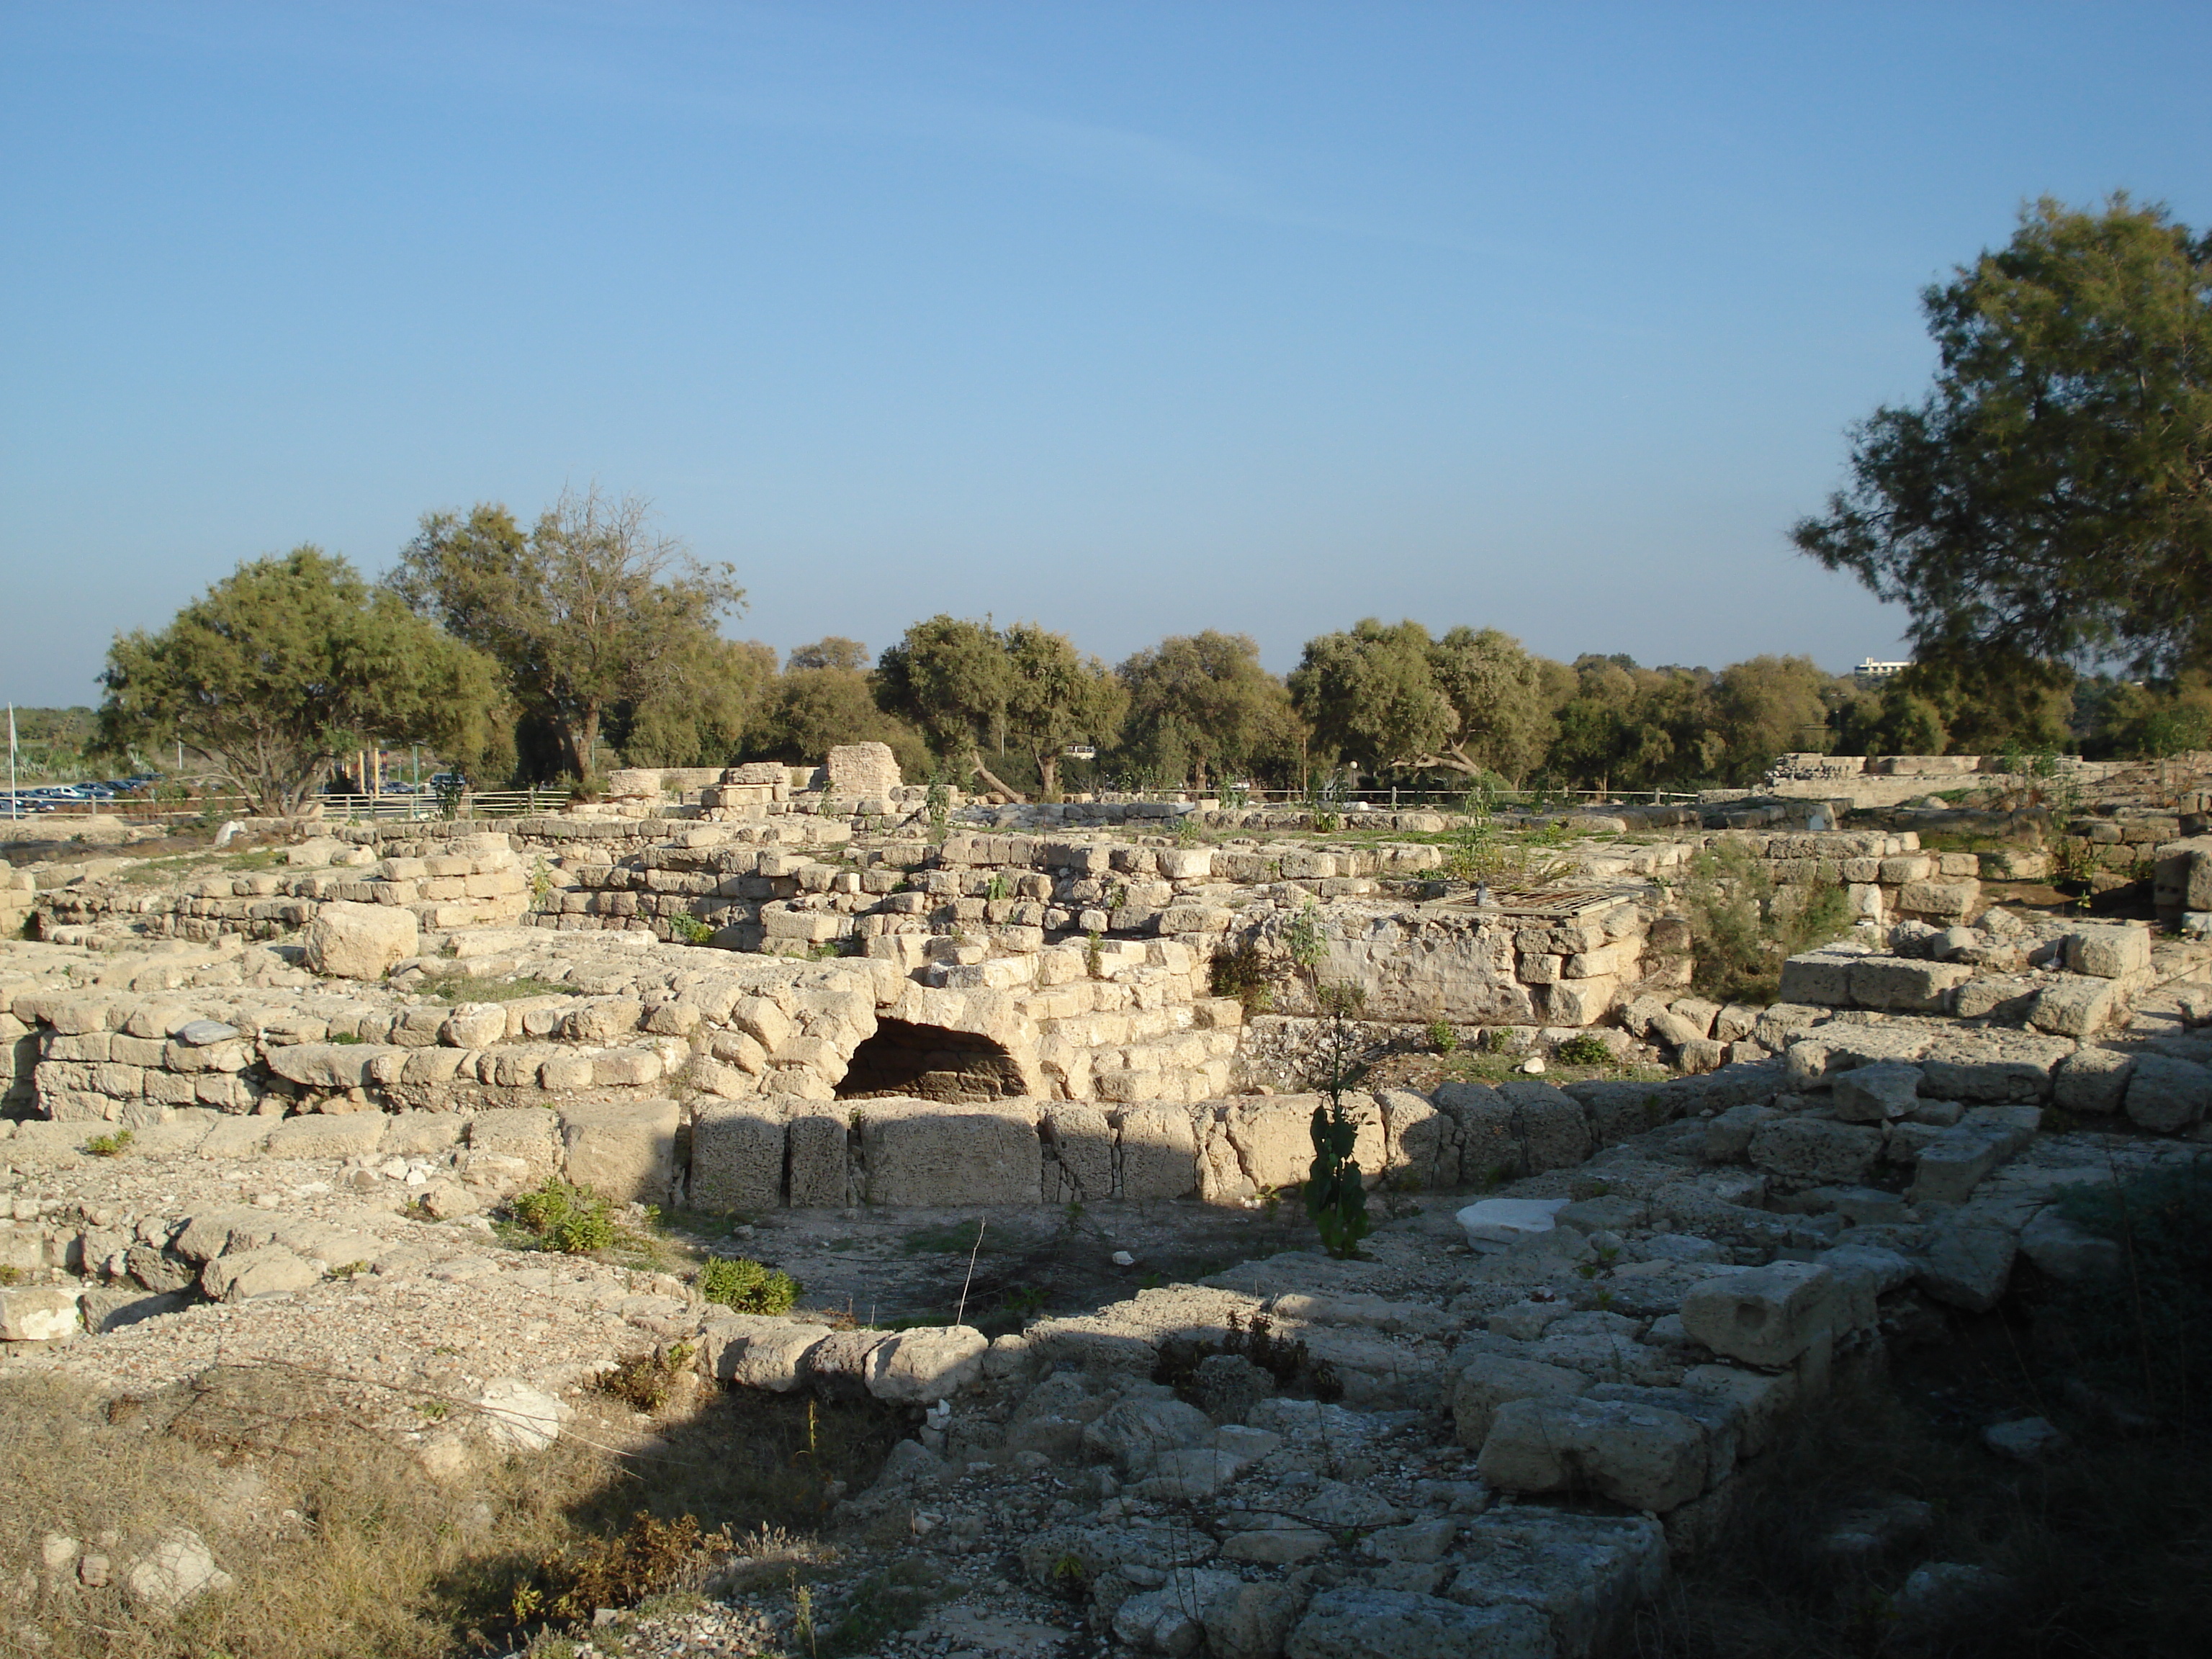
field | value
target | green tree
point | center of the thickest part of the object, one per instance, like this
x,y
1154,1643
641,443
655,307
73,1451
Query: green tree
x,y
1473,703
2051,497
1629,727
971,686
1767,706
592,610
1200,706
824,697
1056,697
1370,696
716,696
289,664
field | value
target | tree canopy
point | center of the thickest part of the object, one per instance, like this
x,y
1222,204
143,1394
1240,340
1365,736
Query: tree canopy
x,y
2051,496
1394,698
971,685
1200,704
289,664
592,610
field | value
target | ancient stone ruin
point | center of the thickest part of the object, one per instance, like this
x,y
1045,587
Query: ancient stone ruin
x,y
786,993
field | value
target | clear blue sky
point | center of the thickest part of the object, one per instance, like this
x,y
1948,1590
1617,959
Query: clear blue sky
x,y
1131,318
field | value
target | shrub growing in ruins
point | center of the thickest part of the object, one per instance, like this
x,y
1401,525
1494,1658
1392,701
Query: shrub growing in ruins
x,y
1588,1050
1742,927
746,1286
1241,970
557,1216
684,928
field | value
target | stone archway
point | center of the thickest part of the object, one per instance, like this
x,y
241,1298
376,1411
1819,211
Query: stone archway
x,y
930,1062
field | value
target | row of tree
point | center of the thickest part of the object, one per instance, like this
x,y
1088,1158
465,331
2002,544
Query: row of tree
x,y
591,640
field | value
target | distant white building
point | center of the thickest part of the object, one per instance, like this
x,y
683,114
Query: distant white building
x,y
1871,672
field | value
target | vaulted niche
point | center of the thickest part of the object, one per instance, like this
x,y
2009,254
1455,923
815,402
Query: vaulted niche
x,y
929,1063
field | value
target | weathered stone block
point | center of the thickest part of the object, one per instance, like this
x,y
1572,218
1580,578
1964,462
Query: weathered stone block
x,y
1638,1455
2165,1094
1814,1150
360,941
1158,1152
928,1153
2108,952
1764,1318
2093,1080
1495,1380
737,1159
624,1150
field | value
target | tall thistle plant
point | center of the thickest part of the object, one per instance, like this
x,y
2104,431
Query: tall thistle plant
x,y
1335,1196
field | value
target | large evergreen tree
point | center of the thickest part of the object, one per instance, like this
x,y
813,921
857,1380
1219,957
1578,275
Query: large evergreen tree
x,y
2051,497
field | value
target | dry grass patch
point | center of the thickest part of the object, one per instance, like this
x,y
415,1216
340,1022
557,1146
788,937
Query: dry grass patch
x,y
340,1544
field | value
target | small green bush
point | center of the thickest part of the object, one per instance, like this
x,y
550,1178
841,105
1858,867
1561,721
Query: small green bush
x,y
572,1220
1742,927
109,1146
745,1285
1588,1050
684,928
1443,1038
1240,971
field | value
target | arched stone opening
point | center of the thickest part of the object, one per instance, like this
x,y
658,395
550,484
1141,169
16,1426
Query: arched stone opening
x,y
930,1062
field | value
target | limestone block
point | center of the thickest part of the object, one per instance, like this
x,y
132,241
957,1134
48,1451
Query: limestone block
x,y
927,1364
737,1159
2108,952
2068,1252
1768,1316
1586,1574
1762,1399
1159,1152
753,1352
1877,1094
1581,1001
531,1133
359,941
1821,978
1356,1622
632,1068
1136,1431
39,1313
350,1134
2183,876
2093,1080
1421,1141
2075,1006
1081,1167
1968,1266
1992,1065
1272,1136
1906,986
244,1275
819,1158
624,1150
1951,1165
1495,1380
1946,898
922,1152
1818,1151
2165,1094
1638,1455
1519,1128
860,771
419,1134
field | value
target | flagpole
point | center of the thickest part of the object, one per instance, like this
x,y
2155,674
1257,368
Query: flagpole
x,y
15,801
